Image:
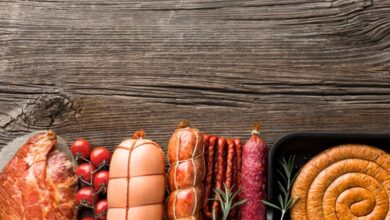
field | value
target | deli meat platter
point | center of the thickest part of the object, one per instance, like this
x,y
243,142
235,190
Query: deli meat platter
x,y
199,176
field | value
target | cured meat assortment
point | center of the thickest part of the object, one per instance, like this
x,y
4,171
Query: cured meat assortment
x,y
186,173
209,177
223,165
254,176
136,188
345,182
38,182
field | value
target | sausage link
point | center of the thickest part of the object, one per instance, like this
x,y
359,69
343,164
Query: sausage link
x,y
237,144
209,176
220,173
185,176
206,138
237,174
229,163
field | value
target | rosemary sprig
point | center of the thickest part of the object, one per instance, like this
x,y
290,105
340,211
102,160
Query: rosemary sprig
x,y
285,200
226,200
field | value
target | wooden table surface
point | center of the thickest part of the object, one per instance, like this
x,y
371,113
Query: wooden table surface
x,y
103,69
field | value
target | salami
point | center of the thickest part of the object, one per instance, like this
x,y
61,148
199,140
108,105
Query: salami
x,y
254,177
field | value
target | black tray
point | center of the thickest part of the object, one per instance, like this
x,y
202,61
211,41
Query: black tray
x,y
305,146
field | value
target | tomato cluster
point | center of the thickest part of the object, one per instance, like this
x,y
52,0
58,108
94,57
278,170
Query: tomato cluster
x,y
92,173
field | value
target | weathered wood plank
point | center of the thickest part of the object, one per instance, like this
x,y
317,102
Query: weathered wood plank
x,y
103,69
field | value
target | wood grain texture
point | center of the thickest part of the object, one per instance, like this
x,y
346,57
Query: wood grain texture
x,y
103,69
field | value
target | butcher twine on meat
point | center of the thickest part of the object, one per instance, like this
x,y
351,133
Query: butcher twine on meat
x,y
344,182
186,173
136,188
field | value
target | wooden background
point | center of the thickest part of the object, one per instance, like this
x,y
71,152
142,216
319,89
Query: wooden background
x,y
103,69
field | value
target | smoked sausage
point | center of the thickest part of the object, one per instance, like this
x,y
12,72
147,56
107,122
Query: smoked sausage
x,y
186,173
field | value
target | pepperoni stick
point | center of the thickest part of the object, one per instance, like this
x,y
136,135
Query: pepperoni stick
x,y
237,143
206,139
215,166
208,181
220,173
234,176
237,173
229,163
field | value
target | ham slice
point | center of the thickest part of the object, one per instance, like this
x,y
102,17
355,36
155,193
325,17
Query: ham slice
x,y
38,182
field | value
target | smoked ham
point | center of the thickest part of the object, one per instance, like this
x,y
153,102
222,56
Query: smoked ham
x,y
186,173
345,182
136,188
38,182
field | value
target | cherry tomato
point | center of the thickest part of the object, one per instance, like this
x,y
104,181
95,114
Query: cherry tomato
x,y
100,178
101,209
85,194
81,147
88,218
84,171
100,155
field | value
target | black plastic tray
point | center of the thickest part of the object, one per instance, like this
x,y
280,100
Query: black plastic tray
x,y
305,146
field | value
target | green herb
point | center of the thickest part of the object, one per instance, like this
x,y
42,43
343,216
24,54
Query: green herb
x,y
285,200
226,200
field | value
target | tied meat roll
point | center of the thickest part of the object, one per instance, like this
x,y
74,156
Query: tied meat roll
x,y
344,182
136,188
186,173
